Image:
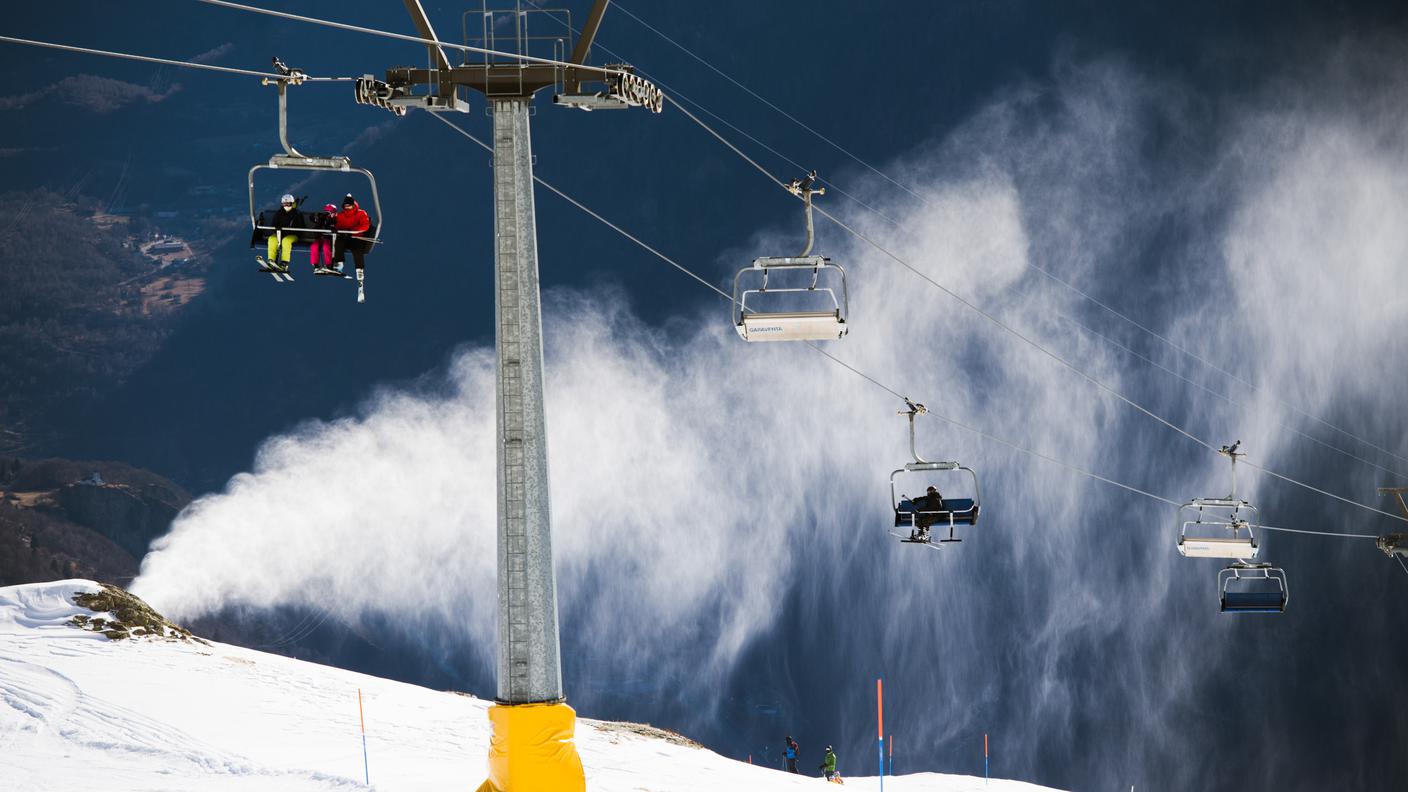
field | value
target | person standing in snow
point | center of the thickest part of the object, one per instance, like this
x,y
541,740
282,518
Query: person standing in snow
x,y
828,765
791,754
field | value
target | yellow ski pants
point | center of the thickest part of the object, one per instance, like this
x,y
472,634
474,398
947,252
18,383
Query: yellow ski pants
x,y
289,239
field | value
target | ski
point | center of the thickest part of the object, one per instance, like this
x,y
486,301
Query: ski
x,y
279,274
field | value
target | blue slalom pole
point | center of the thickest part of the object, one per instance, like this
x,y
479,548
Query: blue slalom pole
x,y
366,772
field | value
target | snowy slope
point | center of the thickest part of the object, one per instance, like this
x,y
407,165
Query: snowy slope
x,y
80,711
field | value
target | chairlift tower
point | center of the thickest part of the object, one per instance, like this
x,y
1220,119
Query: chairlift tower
x,y
532,746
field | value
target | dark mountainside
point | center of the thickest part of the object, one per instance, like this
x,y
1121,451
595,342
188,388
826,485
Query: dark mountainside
x,y
61,518
86,298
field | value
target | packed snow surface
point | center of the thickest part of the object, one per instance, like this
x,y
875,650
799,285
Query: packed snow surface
x,y
81,711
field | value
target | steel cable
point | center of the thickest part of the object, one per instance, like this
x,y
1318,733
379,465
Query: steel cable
x,y
149,59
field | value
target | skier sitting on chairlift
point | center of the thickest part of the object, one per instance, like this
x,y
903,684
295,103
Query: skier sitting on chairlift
x,y
351,219
287,218
320,251
931,501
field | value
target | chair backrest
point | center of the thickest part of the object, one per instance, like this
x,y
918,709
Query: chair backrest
x,y
792,326
1253,601
1242,548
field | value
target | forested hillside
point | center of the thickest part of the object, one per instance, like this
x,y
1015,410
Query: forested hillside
x,y
60,518
81,307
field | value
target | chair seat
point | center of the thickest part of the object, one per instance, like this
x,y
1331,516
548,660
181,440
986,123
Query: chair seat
x,y
792,326
1253,601
959,511
1217,547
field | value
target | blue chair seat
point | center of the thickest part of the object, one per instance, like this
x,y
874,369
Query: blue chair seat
x,y
1253,602
960,510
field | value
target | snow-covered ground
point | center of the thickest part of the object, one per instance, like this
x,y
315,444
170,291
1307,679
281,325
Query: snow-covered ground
x,y
79,711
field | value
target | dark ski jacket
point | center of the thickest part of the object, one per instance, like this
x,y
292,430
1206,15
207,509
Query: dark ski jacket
x,y
829,764
325,220
353,219
927,502
287,219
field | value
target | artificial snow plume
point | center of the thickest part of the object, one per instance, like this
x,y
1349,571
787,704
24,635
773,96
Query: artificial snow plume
x,y
707,492
682,470
80,711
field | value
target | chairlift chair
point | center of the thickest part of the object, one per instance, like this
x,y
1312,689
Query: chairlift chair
x,y
920,514
827,324
1219,527
1252,588
292,159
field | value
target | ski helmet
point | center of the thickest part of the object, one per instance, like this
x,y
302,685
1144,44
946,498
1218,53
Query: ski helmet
x,y
287,199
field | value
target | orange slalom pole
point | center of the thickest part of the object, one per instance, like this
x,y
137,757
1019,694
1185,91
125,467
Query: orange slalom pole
x,y
880,729
985,757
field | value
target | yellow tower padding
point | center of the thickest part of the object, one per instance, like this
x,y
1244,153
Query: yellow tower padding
x,y
532,749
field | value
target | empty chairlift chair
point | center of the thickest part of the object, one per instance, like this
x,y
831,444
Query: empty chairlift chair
x,y
1252,588
926,510
817,314
1219,527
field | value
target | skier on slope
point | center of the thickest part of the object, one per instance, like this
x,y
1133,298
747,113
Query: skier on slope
x,y
828,765
791,754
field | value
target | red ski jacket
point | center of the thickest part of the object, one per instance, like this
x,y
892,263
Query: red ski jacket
x,y
353,219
